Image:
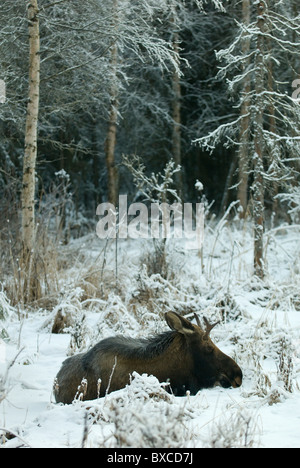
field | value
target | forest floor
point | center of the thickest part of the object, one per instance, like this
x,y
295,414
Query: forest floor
x,y
107,294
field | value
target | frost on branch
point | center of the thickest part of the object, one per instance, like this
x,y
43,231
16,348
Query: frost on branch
x,y
146,416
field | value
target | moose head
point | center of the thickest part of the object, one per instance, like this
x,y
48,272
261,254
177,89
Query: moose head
x,y
210,366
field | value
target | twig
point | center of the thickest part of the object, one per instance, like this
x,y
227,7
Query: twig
x,y
16,435
85,431
11,364
110,378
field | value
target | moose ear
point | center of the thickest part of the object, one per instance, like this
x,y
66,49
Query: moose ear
x,y
178,323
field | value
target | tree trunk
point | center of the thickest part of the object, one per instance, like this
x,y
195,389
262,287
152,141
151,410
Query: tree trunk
x,y
176,137
258,184
29,163
228,183
243,153
111,139
271,112
110,144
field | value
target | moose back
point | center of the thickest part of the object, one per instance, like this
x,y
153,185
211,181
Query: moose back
x,y
184,356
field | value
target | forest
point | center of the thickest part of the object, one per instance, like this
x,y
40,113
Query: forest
x,y
193,102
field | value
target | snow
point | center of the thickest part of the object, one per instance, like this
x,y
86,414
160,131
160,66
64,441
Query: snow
x,y
260,330
199,186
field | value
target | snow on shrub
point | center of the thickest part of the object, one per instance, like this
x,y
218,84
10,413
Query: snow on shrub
x,y
236,428
143,415
6,311
293,201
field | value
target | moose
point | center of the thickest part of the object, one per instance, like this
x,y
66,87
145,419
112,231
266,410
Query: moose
x,y
184,356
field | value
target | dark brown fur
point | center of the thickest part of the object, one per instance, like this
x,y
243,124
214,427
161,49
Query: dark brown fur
x,y
185,357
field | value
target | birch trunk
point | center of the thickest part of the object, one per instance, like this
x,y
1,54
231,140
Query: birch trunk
x,y
29,163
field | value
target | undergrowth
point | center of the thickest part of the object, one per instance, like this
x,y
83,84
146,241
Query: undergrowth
x,y
91,290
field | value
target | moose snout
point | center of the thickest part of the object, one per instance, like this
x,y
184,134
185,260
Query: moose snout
x,y
234,381
238,379
237,382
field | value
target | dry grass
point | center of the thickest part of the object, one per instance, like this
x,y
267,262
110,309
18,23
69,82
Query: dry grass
x,y
236,428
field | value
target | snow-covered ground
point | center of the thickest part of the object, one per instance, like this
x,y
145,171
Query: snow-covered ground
x,y
260,330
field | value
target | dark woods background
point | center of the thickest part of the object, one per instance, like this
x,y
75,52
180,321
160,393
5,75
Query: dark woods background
x,y
97,56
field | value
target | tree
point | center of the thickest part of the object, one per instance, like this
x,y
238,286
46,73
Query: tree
x,y
258,187
135,41
78,80
183,19
110,143
86,62
245,122
176,115
272,114
29,162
